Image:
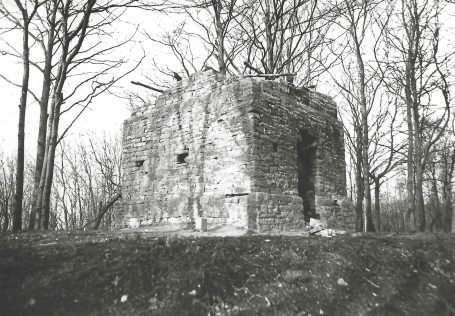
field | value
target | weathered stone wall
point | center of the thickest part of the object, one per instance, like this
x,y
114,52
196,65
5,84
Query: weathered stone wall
x,y
228,149
282,114
204,118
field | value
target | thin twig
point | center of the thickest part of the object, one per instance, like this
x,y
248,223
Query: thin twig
x,y
19,86
255,264
375,285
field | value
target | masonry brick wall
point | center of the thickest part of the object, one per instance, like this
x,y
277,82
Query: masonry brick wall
x,y
227,149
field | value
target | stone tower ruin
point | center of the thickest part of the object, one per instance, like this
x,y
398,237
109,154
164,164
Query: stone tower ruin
x,y
255,153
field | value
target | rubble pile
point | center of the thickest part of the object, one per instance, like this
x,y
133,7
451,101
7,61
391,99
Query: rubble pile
x,y
316,227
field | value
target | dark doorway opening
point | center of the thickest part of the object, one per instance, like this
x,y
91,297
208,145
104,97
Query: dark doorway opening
x,y
306,162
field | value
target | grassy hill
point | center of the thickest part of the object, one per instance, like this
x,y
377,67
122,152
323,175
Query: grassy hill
x,y
138,273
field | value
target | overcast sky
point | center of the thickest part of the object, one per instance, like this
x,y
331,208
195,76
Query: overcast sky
x,y
107,112
105,115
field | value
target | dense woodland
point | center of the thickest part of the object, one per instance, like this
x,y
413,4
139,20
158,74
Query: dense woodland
x,y
388,65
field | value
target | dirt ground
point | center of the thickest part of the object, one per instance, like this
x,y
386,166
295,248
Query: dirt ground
x,y
160,272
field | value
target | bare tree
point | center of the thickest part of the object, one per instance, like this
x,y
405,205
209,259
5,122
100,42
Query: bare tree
x,y
448,166
74,33
385,151
357,30
26,15
268,37
87,178
7,184
77,23
275,33
360,86
413,62
7,187
220,34
179,43
48,50
352,131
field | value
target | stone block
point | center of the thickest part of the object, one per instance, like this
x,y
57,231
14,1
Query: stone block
x,y
201,224
134,222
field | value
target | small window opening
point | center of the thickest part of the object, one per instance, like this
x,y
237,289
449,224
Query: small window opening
x,y
139,163
181,157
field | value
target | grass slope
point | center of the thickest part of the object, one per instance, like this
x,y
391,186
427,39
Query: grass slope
x,y
89,273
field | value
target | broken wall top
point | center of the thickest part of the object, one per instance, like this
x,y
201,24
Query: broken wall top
x,y
205,82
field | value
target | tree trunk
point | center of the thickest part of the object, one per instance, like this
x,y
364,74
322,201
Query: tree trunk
x,y
40,151
217,7
19,189
368,225
436,223
359,188
419,202
39,203
448,189
269,38
104,209
50,163
377,207
5,226
42,129
51,141
448,211
410,216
